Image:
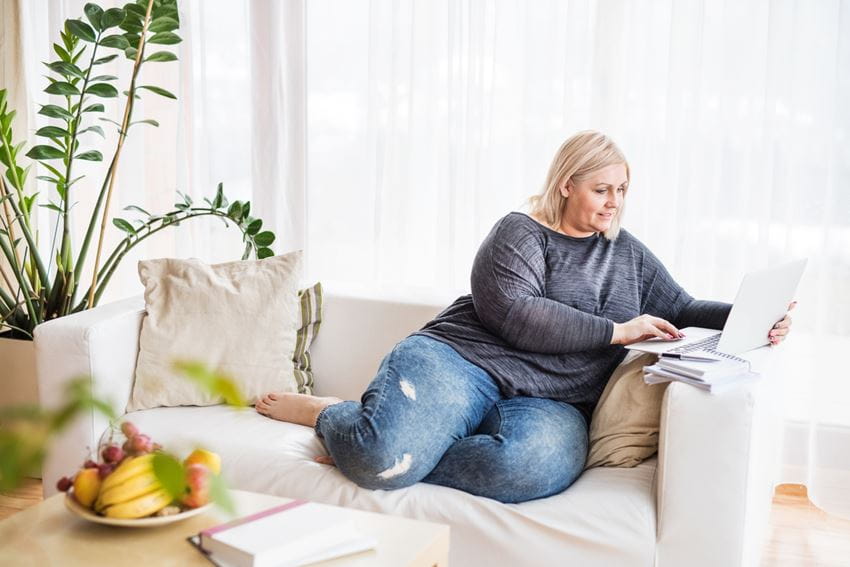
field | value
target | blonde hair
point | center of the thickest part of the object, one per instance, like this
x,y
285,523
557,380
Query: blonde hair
x,y
581,155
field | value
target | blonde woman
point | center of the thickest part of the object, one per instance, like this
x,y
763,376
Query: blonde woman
x,y
494,396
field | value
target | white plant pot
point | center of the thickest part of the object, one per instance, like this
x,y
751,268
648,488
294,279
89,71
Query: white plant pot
x,y
18,383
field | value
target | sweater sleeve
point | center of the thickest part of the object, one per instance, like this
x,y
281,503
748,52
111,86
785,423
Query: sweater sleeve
x,y
509,296
663,297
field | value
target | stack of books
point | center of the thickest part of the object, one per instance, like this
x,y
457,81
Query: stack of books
x,y
712,375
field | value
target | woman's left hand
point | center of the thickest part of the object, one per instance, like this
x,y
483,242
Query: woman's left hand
x,y
781,329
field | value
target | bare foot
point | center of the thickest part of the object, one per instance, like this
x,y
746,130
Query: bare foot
x,y
325,460
294,408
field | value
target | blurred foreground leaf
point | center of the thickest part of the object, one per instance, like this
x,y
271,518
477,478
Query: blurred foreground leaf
x,y
211,381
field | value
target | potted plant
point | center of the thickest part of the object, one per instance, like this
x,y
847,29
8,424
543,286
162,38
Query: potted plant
x,y
40,282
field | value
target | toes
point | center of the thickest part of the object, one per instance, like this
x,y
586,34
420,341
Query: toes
x,y
324,460
272,396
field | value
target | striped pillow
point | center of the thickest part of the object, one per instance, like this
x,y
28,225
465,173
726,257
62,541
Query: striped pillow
x,y
310,300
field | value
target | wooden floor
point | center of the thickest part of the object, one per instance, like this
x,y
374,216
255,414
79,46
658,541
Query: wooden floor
x,y
801,535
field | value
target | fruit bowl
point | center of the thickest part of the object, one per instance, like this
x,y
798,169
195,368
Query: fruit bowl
x,y
150,521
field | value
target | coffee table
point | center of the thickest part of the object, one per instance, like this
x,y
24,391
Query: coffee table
x,y
48,534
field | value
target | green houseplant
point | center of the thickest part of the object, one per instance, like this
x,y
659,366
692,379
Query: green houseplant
x,y
36,286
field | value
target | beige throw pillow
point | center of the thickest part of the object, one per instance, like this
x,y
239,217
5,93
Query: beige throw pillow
x,y
625,424
240,318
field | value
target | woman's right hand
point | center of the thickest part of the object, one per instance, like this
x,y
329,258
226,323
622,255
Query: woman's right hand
x,y
642,328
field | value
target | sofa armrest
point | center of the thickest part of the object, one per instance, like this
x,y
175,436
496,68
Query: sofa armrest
x,y
718,460
102,343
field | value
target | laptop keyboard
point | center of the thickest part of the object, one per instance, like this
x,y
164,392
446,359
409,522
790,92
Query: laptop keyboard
x,y
708,343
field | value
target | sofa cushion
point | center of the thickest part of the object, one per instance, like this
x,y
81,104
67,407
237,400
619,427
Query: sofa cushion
x,y
607,517
625,423
240,318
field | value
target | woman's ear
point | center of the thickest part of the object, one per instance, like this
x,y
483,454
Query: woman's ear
x,y
566,187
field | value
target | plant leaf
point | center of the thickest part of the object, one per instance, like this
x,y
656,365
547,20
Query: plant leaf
x,y
91,155
97,107
221,496
130,52
66,69
116,41
106,59
264,238
104,90
170,474
235,211
45,152
80,29
111,18
254,227
135,9
162,56
54,111
124,225
146,121
61,88
51,132
264,253
60,51
137,208
95,129
53,207
94,13
163,24
165,38
219,196
158,90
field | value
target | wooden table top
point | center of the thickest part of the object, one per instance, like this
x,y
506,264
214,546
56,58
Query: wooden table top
x,y
49,534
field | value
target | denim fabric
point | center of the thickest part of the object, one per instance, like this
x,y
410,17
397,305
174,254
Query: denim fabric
x,y
430,415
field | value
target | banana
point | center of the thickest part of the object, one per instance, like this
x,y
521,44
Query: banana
x,y
141,506
131,488
129,468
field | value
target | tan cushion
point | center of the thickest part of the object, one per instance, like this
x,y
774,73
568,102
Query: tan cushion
x,y
624,427
240,318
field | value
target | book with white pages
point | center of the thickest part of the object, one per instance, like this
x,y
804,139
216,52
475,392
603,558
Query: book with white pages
x,y
704,369
293,534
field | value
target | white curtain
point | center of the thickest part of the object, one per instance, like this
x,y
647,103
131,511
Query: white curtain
x,y
239,120
387,137
427,121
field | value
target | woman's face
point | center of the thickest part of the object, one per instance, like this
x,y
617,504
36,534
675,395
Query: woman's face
x,y
593,203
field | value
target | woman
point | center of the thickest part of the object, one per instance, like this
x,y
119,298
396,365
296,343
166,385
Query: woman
x,y
494,396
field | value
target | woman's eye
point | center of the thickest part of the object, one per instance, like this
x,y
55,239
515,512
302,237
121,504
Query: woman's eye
x,y
601,191
621,189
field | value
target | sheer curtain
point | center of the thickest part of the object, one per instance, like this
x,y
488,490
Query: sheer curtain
x,y
239,120
386,137
427,121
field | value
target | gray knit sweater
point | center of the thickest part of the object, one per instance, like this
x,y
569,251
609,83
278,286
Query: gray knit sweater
x,y
543,306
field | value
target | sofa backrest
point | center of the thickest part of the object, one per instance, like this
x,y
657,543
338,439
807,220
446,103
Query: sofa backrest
x,y
354,337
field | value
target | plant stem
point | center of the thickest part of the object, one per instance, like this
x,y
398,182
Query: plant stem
x,y
4,192
22,281
130,244
65,244
125,124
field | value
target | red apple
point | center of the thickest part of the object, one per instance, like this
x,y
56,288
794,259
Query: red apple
x,y
199,483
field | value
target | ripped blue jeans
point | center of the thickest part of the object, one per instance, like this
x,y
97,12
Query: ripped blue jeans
x,y
430,415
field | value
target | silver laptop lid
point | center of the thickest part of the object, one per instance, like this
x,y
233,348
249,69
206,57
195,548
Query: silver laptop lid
x,y
762,300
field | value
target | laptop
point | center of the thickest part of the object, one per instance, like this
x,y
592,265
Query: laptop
x,y
762,300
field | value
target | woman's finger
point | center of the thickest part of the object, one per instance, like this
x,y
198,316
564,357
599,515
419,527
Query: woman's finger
x,y
666,328
792,305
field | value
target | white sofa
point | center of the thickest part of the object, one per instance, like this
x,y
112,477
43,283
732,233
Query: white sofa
x,y
704,500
